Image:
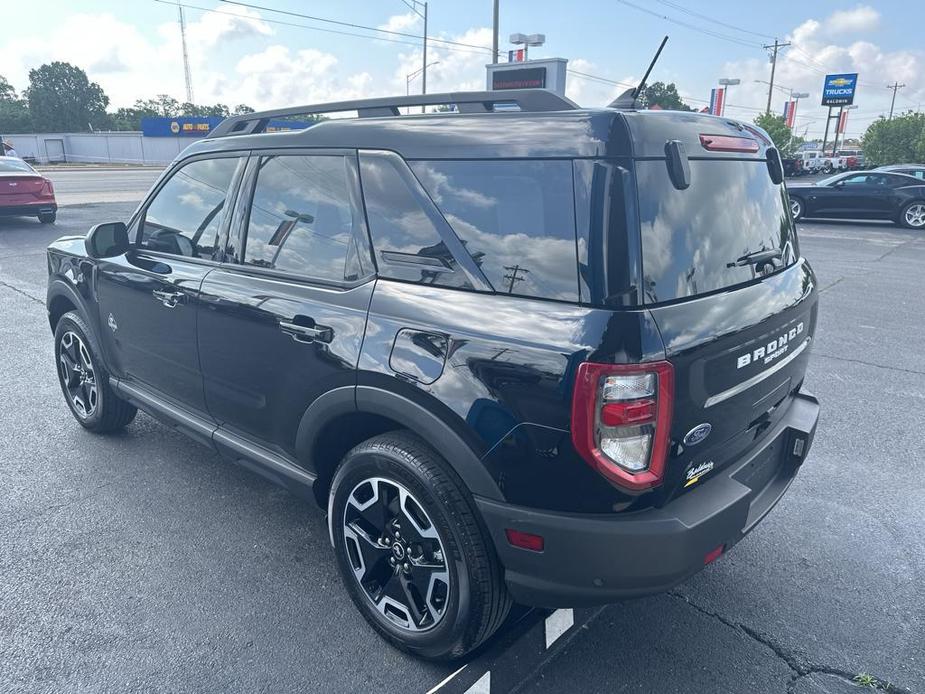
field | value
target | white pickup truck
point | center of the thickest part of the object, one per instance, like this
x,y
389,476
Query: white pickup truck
x,y
814,161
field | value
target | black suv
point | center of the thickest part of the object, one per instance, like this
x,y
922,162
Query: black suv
x,y
520,351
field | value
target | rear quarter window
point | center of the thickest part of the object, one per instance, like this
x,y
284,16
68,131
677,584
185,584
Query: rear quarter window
x,y
516,218
691,239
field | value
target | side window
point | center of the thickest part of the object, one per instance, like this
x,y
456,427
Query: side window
x,y
305,219
516,219
406,240
186,214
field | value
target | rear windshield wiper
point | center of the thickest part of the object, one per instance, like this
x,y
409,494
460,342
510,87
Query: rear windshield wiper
x,y
757,258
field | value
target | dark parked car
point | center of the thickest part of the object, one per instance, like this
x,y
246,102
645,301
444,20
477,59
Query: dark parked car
x,y
862,195
25,192
917,170
550,355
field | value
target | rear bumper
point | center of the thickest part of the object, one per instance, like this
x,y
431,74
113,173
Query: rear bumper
x,y
592,559
33,209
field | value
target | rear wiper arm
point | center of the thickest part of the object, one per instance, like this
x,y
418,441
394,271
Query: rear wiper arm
x,y
757,258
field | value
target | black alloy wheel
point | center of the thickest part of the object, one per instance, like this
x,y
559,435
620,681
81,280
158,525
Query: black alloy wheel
x,y
396,554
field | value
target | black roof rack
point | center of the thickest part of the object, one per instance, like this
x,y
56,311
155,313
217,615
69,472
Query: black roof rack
x,y
465,102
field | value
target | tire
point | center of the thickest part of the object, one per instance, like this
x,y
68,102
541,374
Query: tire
x,y
84,380
465,599
912,215
48,217
796,208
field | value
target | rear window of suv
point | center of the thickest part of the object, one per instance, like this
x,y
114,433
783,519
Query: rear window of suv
x,y
516,218
693,238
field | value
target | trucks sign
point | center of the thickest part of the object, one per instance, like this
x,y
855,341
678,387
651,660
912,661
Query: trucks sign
x,y
838,90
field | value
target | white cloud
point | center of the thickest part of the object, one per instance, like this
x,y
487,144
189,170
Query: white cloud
x,y
861,18
401,22
818,47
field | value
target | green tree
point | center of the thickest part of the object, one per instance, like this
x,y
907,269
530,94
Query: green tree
x,y
241,109
61,98
14,112
662,95
161,105
897,141
7,93
782,136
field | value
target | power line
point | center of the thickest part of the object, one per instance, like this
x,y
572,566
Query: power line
x,y
694,27
352,25
329,31
686,11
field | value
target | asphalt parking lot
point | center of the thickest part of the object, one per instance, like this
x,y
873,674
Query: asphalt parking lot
x,y
143,562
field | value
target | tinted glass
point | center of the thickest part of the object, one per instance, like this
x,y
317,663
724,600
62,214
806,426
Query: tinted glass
x,y
303,218
693,238
185,216
18,165
407,243
516,219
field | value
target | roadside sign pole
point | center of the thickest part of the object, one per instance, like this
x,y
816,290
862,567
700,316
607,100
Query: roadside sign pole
x,y
825,138
841,110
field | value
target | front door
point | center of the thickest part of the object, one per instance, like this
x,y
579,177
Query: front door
x,y
148,297
284,323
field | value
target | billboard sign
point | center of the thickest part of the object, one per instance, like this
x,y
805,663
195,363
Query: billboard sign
x,y
838,90
519,78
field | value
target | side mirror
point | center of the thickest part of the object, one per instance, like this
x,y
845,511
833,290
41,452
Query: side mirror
x,y
107,240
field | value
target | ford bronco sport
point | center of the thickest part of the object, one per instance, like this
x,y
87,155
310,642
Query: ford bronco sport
x,y
521,351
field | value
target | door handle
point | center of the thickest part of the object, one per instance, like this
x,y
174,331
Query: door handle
x,y
304,333
168,298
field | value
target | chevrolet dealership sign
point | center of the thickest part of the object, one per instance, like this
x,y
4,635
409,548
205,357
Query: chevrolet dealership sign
x,y
838,90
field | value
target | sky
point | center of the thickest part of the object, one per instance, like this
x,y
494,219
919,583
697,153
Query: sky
x,y
263,54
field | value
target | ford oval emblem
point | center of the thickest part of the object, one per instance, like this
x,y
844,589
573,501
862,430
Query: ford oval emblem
x,y
697,434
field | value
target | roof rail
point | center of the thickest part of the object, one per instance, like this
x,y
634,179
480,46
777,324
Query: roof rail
x,y
466,102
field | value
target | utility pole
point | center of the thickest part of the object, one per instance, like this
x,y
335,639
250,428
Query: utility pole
x,y
413,5
776,47
186,71
515,270
895,86
494,32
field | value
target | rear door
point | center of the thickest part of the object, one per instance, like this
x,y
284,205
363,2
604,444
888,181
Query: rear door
x,y
282,322
148,297
737,332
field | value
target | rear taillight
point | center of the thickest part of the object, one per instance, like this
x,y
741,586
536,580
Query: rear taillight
x,y
48,188
621,414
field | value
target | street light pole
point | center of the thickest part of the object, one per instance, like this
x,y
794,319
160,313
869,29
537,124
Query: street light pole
x,y
728,82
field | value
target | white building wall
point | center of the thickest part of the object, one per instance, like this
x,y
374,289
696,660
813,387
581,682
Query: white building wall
x,y
99,148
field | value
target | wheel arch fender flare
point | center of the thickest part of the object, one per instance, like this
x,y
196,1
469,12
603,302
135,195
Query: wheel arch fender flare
x,y
59,289
417,418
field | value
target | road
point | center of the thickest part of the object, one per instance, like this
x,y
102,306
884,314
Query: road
x,y
143,562
81,185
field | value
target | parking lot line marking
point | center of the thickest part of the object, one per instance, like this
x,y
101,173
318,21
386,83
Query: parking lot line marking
x,y
557,624
446,680
482,685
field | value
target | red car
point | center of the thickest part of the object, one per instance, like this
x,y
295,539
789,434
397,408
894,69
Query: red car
x,y
25,192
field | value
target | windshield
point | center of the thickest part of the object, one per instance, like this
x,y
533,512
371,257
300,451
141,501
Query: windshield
x,y
729,227
831,179
8,164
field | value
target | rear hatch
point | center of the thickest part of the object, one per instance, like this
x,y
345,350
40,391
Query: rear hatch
x,y
736,329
